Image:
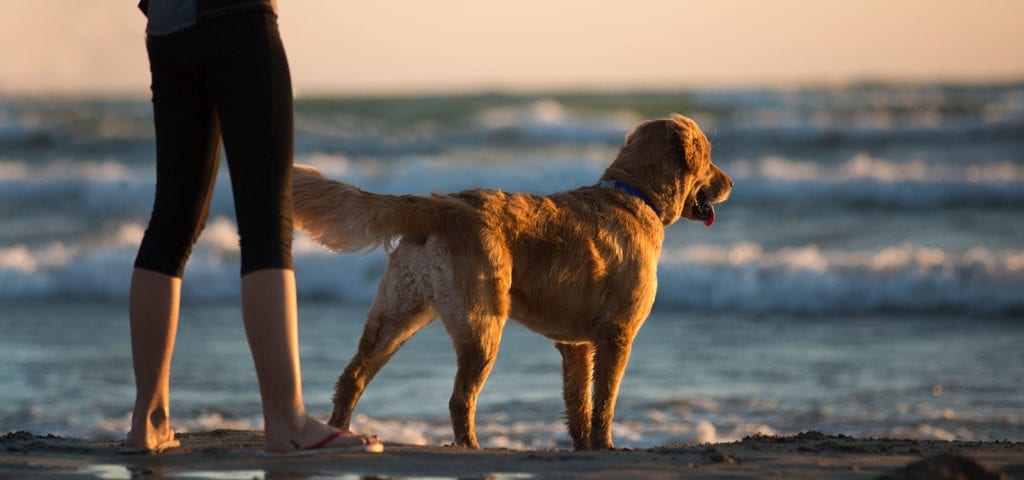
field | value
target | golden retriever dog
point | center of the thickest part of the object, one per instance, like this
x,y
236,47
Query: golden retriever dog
x,y
578,267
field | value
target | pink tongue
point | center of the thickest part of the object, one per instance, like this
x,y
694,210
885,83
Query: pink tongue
x,y
711,218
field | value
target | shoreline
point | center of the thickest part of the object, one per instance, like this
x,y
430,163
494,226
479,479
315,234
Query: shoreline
x,y
233,454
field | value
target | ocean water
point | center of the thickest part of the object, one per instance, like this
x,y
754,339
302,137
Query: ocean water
x,y
866,277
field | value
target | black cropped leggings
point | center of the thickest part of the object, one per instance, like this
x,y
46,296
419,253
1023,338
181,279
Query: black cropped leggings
x,y
224,78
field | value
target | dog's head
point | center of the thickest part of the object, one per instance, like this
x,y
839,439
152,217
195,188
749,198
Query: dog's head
x,y
669,160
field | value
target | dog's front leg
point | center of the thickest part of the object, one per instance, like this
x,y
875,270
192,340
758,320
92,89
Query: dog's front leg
x,y
577,369
475,358
611,357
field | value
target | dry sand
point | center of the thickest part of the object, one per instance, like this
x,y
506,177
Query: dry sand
x,y
232,454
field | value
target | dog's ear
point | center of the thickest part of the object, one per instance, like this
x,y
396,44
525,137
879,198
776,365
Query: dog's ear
x,y
694,148
654,128
631,134
660,148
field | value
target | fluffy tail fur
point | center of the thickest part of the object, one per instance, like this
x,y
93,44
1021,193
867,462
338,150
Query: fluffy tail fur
x,y
344,218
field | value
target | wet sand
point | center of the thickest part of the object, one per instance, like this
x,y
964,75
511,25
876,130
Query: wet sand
x,y
233,454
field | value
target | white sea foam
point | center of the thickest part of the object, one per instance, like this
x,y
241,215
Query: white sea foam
x,y
658,427
99,191
905,277
864,167
434,169
743,277
494,430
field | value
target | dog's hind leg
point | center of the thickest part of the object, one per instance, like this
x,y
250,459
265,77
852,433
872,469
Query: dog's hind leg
x,y
396,315
476,347
577,370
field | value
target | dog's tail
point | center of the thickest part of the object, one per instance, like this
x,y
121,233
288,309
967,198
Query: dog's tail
x,y
345,218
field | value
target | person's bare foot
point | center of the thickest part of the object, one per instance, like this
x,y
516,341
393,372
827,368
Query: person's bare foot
x,y
154,440
314,435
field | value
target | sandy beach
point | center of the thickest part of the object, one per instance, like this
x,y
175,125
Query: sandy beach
x,y
234,454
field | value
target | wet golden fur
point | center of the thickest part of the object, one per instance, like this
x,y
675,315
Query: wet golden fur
x,y
577,267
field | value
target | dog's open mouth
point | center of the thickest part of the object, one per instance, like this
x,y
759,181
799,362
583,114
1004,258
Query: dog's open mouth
x,y
703,209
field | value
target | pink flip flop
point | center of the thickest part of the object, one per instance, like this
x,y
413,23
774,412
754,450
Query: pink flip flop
x,y
321,447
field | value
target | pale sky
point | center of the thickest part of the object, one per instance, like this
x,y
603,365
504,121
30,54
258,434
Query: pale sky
x,y
409,46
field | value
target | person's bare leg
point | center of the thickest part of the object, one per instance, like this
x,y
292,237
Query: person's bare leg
x,y
270,312
153,314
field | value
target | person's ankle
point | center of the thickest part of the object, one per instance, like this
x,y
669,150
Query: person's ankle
x,y
282,434
150,430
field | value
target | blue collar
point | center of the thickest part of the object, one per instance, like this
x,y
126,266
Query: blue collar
x,y
625,187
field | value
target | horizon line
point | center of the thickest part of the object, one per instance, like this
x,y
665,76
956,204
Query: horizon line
x,y
552,88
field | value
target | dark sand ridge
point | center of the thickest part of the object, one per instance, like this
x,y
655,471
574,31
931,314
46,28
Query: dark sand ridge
x,y
233,454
